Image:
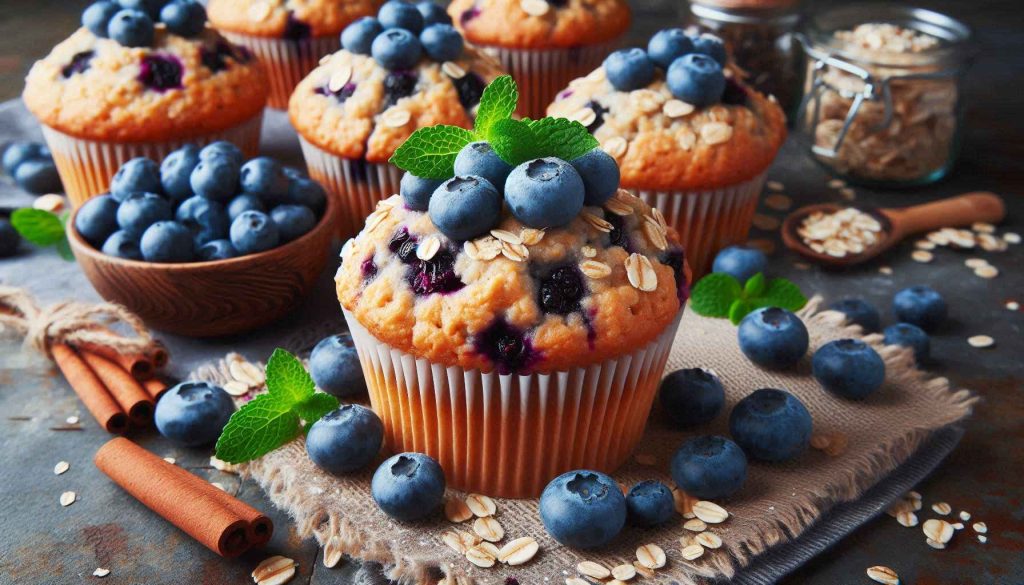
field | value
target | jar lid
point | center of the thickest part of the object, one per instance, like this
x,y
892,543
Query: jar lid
x,y
749,4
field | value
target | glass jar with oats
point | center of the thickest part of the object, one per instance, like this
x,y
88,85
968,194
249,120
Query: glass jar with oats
x,y
882,99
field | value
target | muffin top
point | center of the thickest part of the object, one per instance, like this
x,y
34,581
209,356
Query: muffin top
x,y
287,19
172,89
676,120
540,24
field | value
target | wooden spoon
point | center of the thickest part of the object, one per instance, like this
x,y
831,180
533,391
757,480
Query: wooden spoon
x,y
962,210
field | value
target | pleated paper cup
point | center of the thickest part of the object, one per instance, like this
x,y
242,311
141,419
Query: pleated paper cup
x,y
541,74
708,220
356,184
286,61
86,166
509,435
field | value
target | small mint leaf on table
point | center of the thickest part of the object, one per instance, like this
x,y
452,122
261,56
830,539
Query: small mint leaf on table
x,y
430,152
64,249
514,142
497,103
738,310
260,426
40,227
782,293
754,286
562,138
287,380
314,407
714,294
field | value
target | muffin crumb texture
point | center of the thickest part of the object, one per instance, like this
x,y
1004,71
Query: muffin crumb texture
x,y
540,24
294,19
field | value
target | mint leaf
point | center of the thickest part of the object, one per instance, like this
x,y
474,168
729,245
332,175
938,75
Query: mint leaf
x,y
64,249
514,142
714,294
754,286
314,407
562,138
260,426
40,227
781,293
430,152
287,381
738,310
498,102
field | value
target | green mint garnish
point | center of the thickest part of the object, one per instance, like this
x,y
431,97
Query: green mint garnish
x,y
721,296
430,152
270,420
42,228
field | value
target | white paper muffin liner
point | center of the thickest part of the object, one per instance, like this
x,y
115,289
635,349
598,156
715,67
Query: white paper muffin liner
x,y
708,220
286,61
509,435
541,74
86,166
356,184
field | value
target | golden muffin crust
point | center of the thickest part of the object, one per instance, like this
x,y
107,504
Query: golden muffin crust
x,y
287,18
565,24
93,88
664,144
356,118
497,293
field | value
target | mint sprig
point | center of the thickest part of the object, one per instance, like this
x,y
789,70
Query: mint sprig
x,y
430,152
270,420
721,296
43,228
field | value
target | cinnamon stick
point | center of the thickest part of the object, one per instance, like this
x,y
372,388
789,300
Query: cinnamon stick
x,y
155,387
90,390
125,389
259,528
158,355
175,495
141,366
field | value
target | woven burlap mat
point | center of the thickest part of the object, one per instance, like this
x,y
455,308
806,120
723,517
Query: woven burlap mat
x,y
777,503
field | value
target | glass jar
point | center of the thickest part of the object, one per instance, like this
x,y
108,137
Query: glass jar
x,y
761,37
882,99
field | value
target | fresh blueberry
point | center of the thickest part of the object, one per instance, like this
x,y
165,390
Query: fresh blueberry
x,y
253,231
19,152
691,397
186,18
849,368
216,250
263,177
773,338
175,171
600,174
167,241
345,440
465,207
859,312
306,191
479,159
222,148
396,49
696,79
141,210
401,15
150,7
139,175
920,305
668,45
740,262
97,16
649,503
629,69
243,203
122,244
912,336
334,365
10,239
709,467
545,192
38,176
206,219
193,413
583,509
96,219
416,191
771,425
432,13
131,28
561,291
408,486
294,173
358,36
215,178
293,221
441,42
711,46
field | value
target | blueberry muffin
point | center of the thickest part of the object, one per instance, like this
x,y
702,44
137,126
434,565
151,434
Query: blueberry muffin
x,y
543,44
689,136
288,36
123,87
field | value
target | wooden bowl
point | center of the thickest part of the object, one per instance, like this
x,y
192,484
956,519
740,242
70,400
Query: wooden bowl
x,y
208,299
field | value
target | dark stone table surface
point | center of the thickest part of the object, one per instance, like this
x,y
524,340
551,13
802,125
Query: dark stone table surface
x,y
43,543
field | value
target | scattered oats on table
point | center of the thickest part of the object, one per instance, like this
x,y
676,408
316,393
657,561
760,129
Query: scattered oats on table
x,y
67,498
61,467
274,570
884,575
981,341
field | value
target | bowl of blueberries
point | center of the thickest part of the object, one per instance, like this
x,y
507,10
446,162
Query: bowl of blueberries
x,y
205,243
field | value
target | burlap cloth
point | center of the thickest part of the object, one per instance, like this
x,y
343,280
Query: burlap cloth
x,y
777,503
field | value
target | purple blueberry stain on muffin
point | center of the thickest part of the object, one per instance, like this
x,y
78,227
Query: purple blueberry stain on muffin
x,y
564,94
734,94
561,291
618,235
403,245
216,58
398,85
436,275
675,260
507,347
599,112
470,88
161,72
295,29
368,269
80,63
468,15
343,93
